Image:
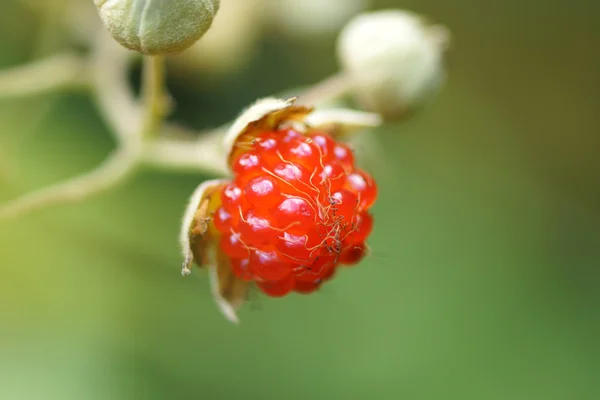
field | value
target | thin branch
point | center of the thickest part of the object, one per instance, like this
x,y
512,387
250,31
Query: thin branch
x,y
113,95
118,106
59,72
114,170
154,94
205,154
327,90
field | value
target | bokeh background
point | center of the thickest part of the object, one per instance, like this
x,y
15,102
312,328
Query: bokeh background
x,y
484,280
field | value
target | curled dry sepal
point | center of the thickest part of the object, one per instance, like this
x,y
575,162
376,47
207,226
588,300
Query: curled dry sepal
x,y
295,208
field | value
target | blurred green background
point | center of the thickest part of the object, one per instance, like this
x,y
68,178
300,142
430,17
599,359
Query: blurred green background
x,y
484,279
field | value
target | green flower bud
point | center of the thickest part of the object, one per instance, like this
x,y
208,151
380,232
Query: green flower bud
x,y
157,26
393,59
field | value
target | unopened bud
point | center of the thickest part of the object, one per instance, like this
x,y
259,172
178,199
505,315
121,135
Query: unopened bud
x,y
157,26
393,59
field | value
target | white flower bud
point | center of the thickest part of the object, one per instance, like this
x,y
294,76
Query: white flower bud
x,y
157,26
393,59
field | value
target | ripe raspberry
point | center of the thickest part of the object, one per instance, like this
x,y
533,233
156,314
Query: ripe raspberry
x,y
296,209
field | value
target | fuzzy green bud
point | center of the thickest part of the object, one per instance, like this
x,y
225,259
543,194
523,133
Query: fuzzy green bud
x,y
157,26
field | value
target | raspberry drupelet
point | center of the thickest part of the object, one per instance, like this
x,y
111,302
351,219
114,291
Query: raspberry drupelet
x,y
295,210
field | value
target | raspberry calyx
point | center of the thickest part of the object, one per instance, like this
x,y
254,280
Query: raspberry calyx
x,y
296,208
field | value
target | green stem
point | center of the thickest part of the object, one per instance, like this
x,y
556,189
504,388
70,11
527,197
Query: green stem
x,y
154,94
328,90
114,170
113,95
58,72
204,154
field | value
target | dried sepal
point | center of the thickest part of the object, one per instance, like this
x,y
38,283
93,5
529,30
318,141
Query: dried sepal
x,y
195,225
271,114
229,292
340,122
199,243
264,115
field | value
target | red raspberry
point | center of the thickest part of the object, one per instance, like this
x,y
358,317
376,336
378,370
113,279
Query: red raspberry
x,y
297,207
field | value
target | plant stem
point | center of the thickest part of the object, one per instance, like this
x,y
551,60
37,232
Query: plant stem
x,y
54,73
114,170
328,90
205,154
112,93
154,95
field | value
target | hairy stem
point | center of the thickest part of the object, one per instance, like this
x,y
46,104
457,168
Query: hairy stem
x,y
205,154
154,94
118,166
58,72
328,90
124,116
112,93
